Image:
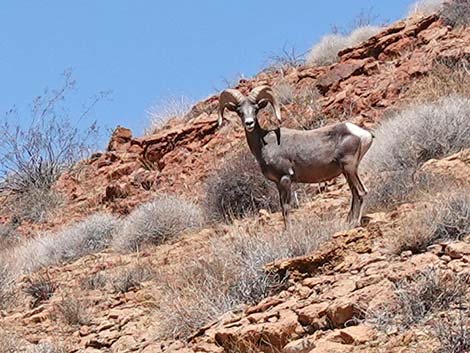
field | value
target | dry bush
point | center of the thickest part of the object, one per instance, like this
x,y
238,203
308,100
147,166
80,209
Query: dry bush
x,y
8,342
36,149
408,139
82,238
288,57
447,218
40,288
47,348
161,220
453,332
362,34
6,285
72,311
239,189
8,236
426,7
284,92
446,78
326,51
456,13
167,110
132,277
97,280
232,273
35,204
419,298
430,292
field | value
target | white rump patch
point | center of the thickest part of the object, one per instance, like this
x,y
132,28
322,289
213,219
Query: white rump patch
x,y
359,131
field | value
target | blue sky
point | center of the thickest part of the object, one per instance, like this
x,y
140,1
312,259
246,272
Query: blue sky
x,y
145,51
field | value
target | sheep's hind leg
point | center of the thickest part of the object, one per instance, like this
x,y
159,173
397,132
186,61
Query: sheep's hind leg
x,y
355,201
284,187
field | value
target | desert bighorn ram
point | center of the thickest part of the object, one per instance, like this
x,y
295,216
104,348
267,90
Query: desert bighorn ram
x,y
312,156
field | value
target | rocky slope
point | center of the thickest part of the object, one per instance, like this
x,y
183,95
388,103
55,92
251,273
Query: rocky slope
x,y
368,81
329,293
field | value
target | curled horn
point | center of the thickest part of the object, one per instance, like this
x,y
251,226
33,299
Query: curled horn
x,y
231,99
265,93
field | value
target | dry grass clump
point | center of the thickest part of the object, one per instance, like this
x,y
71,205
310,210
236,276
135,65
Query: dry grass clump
x,y
456,13
163,219
426,7
82,238
446,78
36,204
430,292
167,110
453,332
420,298
72,311
6,285
407,140
239,189
326,51
8,236
447,218
97,280
284,92
232,274
47,348
40,288
132,277
8,342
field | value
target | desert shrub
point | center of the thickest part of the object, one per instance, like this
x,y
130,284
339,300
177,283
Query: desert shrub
x,y
6,285
425,7
167,110
82,238
47,347
456,13
36,204
446,218
326,51
287,58
453,333
239,189
232,273
408,139
97,280
8,235
36,152
446,78
284,92
428,293
132,277
361,34
8,342
40,288
71,310
158,221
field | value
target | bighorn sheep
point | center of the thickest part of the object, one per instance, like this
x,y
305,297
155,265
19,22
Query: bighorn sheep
x,y
287,155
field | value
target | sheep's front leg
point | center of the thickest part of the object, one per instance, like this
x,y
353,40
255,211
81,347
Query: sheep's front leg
x,y
284,187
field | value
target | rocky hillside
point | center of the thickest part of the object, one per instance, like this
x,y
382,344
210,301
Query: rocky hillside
x,y
397,284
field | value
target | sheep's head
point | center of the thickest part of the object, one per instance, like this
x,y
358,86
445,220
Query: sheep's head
x,y
247,108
